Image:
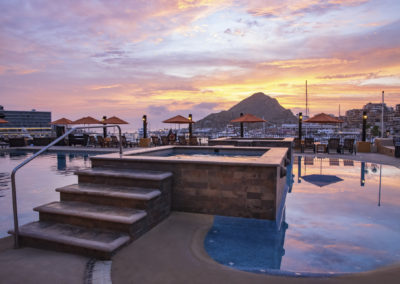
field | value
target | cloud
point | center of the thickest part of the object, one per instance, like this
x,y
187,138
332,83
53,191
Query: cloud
x,y
307,63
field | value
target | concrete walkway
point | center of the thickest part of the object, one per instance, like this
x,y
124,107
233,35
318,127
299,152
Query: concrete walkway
x,y
173,252
29,265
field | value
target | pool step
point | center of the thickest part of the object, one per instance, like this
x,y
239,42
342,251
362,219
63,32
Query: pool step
x,y
104,211
89,215
64,237
121,196
122,177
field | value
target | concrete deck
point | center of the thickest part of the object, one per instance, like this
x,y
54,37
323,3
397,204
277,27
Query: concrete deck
x,y
172,252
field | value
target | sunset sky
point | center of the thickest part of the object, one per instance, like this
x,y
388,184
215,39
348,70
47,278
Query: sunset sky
x,y
163,58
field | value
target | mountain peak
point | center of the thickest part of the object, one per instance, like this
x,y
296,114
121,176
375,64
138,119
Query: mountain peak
x,y
258,104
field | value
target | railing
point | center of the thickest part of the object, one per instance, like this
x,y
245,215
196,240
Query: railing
x,y
14,171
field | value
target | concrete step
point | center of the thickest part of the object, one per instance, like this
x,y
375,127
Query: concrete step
x,y
120,196
64,237
89,215
123,177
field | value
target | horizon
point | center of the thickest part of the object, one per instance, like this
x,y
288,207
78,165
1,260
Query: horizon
x,y
178,57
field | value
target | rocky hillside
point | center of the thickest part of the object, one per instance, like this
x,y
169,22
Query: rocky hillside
x,y
258,104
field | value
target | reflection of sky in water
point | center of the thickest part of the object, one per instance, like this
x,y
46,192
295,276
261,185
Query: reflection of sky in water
x,y
338,227
36,182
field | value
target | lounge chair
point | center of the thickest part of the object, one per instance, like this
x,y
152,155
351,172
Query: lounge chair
x,y
182,140
42,141
155,140
17,142
298,145
193,141
100,140
164,140
309,144
333,145
348,144
92,141
126,143
114,141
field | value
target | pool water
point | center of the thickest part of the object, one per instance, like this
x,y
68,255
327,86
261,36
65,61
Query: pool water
x,y
36,182
341,217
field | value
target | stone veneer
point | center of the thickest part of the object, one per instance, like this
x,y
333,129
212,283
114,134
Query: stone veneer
x,y
253,189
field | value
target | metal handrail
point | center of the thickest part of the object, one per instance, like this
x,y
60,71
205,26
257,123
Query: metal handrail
x,y
14,171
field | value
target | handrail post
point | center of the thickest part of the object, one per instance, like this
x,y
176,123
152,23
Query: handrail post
x,y
120,141
15,212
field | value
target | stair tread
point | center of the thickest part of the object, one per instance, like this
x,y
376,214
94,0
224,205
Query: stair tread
x,y
125,173
137,193
93,211
101,240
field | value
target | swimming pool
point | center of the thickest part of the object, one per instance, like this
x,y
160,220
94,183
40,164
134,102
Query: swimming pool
x,y
36,182
342,216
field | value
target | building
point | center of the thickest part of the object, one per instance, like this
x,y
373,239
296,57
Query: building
x,y
25,119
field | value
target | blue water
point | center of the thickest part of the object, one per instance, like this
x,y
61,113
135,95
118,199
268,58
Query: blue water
x,y
338,219
36,182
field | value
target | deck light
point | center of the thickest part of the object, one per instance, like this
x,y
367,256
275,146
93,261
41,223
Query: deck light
x,y
144,126
190,126
300,124
364,126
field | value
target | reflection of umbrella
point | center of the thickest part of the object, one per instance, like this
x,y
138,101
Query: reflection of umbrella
x,y
3,120
321,180
114,120
87,120
246,118
323,118
179,119
61,121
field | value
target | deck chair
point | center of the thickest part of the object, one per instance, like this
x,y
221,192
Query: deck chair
x,y
309,144
193,141
182,140
100,140
333,145
155,140
348,144
164,140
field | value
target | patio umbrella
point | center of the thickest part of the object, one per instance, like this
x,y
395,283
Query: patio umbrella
x,y
3,120
60,130
179,119
87,120
323,118
114,120
249,118
61,121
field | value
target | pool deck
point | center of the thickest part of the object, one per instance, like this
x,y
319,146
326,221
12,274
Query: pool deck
x,y
67,149
172,252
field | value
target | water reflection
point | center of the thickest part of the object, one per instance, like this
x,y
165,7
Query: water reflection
x,y
347,226
246,244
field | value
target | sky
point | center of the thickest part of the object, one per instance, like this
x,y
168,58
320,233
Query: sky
x,y
168,57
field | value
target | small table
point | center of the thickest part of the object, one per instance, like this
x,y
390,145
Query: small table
x,y
320,148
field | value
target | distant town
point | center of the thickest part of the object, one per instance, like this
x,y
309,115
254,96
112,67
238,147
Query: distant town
x,y
37,123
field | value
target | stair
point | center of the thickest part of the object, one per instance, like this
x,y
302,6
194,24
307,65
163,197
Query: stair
x,y
107,209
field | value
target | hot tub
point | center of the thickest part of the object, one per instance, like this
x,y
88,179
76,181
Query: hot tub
x,y
222,180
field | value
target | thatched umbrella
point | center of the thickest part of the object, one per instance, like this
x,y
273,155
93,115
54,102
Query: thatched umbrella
x,y
87,120
249,118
